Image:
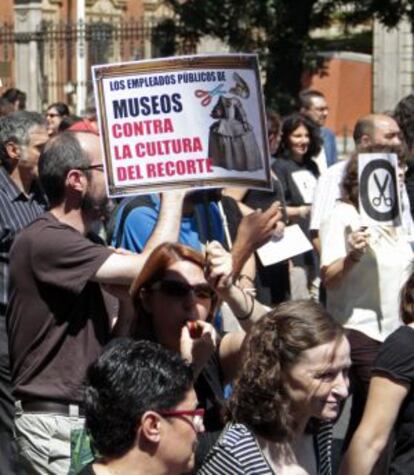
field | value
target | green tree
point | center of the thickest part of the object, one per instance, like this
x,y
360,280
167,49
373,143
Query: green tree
x,y
278,31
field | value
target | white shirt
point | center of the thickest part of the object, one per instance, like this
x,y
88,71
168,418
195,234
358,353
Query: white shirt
x,y
367,298
328,191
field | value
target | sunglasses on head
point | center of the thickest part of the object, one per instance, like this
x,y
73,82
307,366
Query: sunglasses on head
x,y
176,288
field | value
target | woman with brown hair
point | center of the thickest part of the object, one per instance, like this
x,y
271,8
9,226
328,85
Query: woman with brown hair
x,y
175,304
363,271
293,376
390,404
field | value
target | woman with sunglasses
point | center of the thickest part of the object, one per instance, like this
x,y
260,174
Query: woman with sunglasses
x,y
175,306
293,379
54,115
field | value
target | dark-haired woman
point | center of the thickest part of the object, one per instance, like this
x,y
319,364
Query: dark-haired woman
x,y
54,115
175,305
298,173
140,409
293,378
363,270
390,404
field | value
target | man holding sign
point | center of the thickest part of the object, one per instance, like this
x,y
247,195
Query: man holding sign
x,y
57,318
365,260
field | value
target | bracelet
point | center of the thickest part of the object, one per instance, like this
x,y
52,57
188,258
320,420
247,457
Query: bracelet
x,y
252,302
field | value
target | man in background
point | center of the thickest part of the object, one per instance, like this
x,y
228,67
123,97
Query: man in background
x,y
314,105
22,137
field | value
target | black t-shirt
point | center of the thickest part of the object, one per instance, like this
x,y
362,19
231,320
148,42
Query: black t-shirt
x,y
57,320
396,358
272,282
285,170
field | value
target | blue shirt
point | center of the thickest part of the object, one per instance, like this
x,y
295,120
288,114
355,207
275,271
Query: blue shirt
x,y
203,225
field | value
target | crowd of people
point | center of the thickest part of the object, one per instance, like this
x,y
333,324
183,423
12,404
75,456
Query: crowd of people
x,y
145,336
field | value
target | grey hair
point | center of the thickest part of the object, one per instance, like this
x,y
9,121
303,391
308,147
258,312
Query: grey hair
x,y
15,128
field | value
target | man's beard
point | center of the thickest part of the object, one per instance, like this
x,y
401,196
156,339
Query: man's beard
x,y
95,211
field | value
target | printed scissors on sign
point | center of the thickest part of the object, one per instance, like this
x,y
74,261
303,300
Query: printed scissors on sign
x,y
376,201
208,95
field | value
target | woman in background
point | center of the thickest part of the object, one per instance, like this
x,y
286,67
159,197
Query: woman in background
x,y
54,115
298,173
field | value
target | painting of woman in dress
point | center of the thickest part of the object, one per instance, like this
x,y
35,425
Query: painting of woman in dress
x,y
232,143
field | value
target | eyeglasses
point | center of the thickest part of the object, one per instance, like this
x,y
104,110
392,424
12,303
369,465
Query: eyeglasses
x,y
98,167
178,289
197,416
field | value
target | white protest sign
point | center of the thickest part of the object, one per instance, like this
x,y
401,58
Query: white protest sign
x,y
305,182
379,197
191,121
292,243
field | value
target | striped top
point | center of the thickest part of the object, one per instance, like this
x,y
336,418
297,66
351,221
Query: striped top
x,y
16,212
238,453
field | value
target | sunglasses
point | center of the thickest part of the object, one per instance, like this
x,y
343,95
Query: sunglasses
x,y
178,289
197,416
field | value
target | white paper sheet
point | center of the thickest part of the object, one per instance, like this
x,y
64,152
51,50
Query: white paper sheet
x,y
294,242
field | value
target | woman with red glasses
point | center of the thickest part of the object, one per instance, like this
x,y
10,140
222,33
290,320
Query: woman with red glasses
x,y
141,411
175,306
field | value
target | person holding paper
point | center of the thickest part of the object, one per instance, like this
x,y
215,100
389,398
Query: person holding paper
x,y
298,173
363,270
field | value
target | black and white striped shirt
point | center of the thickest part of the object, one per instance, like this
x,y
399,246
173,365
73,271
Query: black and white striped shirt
x,y
16,212
237,453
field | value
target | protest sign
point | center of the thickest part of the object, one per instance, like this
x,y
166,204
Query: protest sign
x,y
379,197
191,121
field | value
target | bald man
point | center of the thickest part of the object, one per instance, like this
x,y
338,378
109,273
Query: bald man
x,y
57,319
373,129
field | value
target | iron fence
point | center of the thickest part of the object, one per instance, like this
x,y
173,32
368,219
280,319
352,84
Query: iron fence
x,y
100,41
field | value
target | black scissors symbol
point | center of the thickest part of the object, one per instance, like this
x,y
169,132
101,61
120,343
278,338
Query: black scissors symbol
x,y
376,201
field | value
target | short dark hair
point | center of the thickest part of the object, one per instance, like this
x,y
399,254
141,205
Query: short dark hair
x,y
128,379
61,154
13,95
16,127
272,347
289,125
306,96
61,107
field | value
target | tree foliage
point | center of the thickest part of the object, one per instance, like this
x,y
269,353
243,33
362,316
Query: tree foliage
x,y
278,31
